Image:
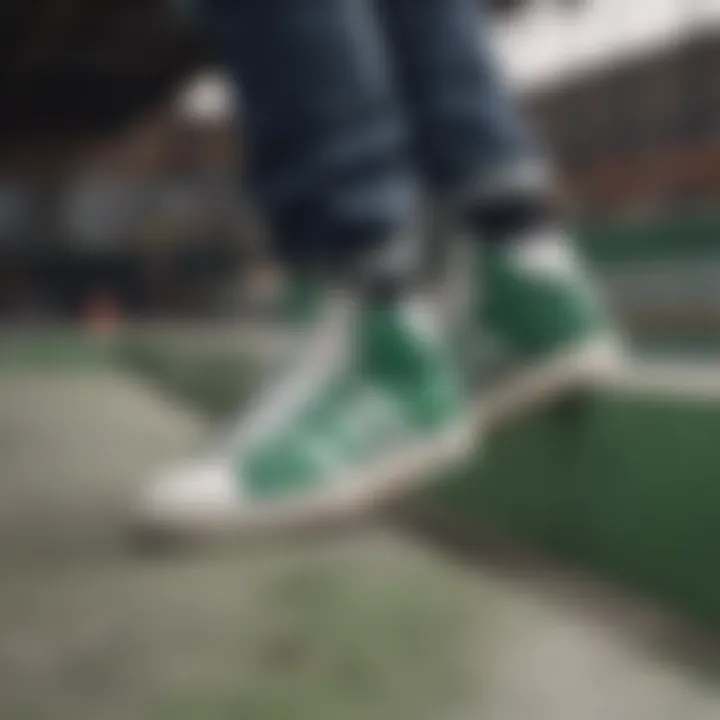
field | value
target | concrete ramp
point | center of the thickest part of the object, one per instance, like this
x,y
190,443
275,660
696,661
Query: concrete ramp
x,y
74,446
372,626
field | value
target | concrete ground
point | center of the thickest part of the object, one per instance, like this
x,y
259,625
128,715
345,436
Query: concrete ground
x,y
370,626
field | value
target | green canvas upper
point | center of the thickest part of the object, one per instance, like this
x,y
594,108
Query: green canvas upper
x,y
537,297
397,386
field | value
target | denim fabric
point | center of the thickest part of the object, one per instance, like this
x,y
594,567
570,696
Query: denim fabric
x,y
351,105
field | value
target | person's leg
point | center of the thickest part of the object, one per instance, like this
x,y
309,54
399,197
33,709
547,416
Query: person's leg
x,y
327,144
466,129
478,157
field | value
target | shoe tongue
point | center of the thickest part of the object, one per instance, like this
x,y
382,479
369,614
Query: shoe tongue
x,y
415,316
399,339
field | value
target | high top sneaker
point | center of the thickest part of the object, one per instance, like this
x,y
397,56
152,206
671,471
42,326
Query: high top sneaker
x,y
375,410
538,300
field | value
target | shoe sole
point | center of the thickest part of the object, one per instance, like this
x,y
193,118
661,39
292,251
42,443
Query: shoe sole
x,y
591,365
354,497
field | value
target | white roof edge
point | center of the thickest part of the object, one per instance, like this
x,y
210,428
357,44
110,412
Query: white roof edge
x,y
545,46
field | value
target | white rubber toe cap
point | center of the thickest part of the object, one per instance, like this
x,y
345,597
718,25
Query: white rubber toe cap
x,y
195,493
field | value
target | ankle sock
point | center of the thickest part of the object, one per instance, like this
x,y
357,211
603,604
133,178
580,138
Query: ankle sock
x,y
507,220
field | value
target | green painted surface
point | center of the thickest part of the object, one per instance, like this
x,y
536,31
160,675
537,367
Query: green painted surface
x,y
629,486
214,382
678,238
67,349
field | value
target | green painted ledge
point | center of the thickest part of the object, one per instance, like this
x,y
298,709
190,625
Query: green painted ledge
x,y
678,238
628,485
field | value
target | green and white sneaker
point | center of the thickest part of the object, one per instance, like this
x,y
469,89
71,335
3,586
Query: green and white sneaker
x,y
369,415
539,302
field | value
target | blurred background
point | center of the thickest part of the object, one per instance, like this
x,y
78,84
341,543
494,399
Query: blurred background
x,y
571,573
121,146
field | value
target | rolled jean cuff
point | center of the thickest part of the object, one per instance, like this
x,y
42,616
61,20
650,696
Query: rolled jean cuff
x,y
529,177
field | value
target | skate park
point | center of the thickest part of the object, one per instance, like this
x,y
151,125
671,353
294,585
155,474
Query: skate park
x,y
566,571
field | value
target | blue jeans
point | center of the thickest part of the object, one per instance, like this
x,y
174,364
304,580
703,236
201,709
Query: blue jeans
x,y
352,105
